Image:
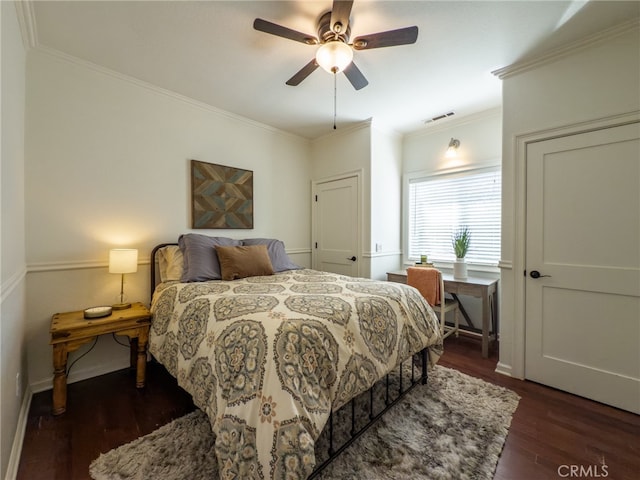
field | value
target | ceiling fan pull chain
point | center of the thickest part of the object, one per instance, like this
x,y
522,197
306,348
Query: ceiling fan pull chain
x,y
335,94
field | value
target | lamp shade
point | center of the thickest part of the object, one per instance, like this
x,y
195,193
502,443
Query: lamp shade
x,y
334,56
123,260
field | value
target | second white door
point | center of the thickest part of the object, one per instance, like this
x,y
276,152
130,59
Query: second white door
x,y
336,226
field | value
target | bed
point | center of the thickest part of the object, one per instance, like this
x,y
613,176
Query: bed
x,y
270,356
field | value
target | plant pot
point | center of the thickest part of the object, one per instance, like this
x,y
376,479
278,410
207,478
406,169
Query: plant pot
x,y
460,269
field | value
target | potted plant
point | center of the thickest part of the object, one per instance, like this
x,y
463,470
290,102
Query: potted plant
x,y
460,242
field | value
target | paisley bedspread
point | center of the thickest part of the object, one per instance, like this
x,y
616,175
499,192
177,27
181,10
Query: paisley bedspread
x,y
267,358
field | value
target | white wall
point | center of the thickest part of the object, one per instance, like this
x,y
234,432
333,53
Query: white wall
x,y
480,146
384,157
107,164
593,81
342,152
12,251
377,154
386,202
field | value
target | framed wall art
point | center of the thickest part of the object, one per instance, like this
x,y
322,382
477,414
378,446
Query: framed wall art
x,y
221,196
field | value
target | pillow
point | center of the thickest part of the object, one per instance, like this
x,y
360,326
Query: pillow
x,y
200,259
244,261
170,263
279,258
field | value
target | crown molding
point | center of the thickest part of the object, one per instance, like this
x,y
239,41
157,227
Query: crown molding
x,y
456,122
386,130
370,123
65,57
566,50
27,21
343,131
28,28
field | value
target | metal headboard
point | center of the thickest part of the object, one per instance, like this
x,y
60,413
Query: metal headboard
x,y
153,265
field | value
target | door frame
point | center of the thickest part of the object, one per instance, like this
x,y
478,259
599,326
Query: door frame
x,y
358,174
517,266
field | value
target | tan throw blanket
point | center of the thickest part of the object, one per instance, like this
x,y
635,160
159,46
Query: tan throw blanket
x,y
427,281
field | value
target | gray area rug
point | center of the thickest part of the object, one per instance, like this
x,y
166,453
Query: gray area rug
x,y
452,428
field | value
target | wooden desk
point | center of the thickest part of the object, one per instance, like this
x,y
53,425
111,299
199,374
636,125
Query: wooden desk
x,y
479,287
70,330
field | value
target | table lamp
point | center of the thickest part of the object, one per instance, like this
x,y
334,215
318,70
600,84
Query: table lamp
x,y
123,260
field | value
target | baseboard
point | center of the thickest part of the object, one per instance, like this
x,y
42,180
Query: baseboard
x,y
18,438
47,384
77,376
463,331
504,369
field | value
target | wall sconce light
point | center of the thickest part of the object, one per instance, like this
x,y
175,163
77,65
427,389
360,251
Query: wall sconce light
x,y
123,260
452,150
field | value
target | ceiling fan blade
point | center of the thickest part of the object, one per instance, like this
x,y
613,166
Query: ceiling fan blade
x,y
340,13
280,31
355,76
391,38
303,73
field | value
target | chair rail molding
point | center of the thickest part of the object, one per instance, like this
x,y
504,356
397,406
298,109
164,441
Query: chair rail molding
x,y
12,282
505,265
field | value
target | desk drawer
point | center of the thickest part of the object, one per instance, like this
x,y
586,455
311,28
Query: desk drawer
x,y
463,288
396,277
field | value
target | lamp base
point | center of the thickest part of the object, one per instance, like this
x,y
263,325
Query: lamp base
x,y
121,306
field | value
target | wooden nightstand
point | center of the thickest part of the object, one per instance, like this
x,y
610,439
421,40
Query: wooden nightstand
x,y
70,330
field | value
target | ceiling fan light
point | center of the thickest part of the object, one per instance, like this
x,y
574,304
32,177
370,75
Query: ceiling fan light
x,y
334,56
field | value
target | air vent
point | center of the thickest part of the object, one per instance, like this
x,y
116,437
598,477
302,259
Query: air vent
x,y
439,117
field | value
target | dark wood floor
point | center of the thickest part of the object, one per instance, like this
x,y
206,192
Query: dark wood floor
x,y
551,433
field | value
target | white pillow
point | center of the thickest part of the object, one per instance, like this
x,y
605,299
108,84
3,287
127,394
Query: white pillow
x,y
170,262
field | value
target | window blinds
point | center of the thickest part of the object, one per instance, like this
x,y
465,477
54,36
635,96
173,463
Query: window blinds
x,y
439,205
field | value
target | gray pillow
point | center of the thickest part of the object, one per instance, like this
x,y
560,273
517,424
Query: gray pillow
x,y
200,258
279,258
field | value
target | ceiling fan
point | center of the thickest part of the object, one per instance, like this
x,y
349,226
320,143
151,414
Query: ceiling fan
x,y
335,53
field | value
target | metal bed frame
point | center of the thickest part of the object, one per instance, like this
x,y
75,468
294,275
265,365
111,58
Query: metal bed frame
x,y
373,416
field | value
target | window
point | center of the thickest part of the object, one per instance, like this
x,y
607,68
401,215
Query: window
x,y
440,204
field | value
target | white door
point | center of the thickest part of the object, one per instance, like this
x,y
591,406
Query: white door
x,y
583,238
337,226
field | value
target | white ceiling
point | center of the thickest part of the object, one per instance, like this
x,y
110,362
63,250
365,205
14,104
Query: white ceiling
x,y
209,51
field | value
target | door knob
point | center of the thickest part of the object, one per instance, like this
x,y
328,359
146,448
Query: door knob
x,y
353,259
536,274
